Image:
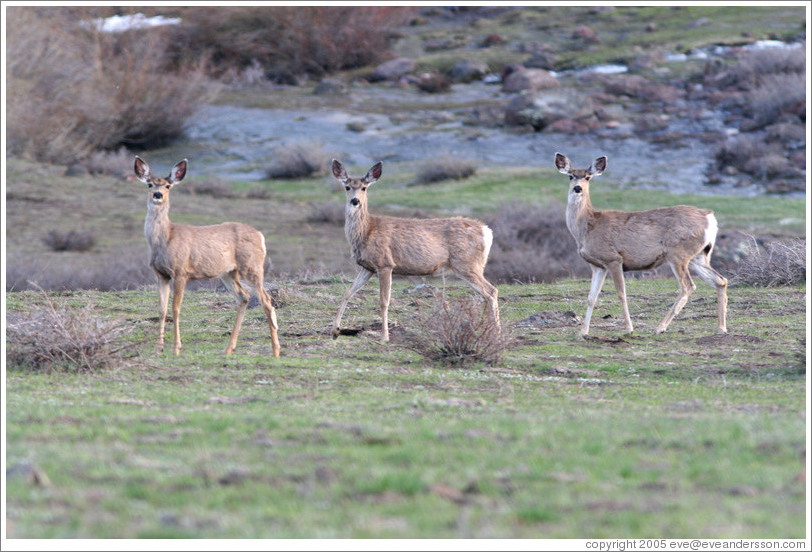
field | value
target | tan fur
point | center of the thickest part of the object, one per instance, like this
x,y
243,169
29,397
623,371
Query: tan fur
x,y
409,247
180,252
619,241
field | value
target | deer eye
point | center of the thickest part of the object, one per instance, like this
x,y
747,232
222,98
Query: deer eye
x,y
347,188
363,188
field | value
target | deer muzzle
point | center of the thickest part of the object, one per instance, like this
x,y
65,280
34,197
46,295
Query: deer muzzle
x,y
354,202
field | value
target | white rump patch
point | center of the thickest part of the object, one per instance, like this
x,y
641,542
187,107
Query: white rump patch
x,y
262,237
487,235
711,230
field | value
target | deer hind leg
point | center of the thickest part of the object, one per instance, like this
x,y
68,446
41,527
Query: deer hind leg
x,y
598,277
487,290
257,280
616,270
232,282
385,279
702,268
163,292
361,279
178,287
687,287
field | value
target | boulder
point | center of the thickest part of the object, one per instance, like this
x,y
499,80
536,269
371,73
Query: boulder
x,y
392,70
529,79
469,70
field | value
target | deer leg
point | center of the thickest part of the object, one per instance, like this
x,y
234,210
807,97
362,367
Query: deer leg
x,y
616,270
232,282
267,305
687,287
178,287
361,279
598,277
385,279
163,292
488,291
701,266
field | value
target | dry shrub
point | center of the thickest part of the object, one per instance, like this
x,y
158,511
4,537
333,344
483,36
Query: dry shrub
x,y
287,41
59,338
444,167
771,264
458,331
326,211
114,163
532,244
70,240
213,187
299,160
73,90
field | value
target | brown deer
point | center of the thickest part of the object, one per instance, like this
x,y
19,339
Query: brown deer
x,y
619,241
410,247
179,253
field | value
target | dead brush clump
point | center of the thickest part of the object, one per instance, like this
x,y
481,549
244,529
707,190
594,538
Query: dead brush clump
x,y
772,264
457,331
444,167
299,160
52,337
532,244
69,240
328,212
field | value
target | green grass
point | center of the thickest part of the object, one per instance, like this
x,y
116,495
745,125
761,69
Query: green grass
x,y
684,434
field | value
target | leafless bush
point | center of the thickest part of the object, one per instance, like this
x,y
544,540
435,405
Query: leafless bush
x,y
126,270
775,263
444,167
58,338
326,211
215,188
532,244
73,90
70,240
776,94
114,163
299,160
287,41
458,331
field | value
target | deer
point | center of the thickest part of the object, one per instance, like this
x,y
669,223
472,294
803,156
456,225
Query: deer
x,y
180,252
614,242
388,246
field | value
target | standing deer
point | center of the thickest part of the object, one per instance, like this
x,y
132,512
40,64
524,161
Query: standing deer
x,y
410,247
179,253
618,241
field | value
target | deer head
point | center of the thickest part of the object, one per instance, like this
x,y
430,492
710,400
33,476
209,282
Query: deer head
x,y
579,178
356,188
159,187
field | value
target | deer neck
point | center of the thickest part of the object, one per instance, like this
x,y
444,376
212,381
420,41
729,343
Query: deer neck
x,y
157,226
579,214
356,228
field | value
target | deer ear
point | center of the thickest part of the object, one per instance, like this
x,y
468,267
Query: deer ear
x,y
374,173
141,170
178,172
562,163
598,166
339,171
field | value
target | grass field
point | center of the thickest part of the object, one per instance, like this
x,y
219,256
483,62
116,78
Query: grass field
x,y
685,434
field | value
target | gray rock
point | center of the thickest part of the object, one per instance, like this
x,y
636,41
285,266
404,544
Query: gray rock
x,y
392,69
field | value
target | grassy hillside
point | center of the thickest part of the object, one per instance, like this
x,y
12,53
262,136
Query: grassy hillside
x,y
686,434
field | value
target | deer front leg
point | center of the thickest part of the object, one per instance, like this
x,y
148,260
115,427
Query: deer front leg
x,y
616,270
361,279
163,292
598,277
179,286
242,297
385,278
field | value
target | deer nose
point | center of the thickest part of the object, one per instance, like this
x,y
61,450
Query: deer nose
x,y
354,201
577,189
157,195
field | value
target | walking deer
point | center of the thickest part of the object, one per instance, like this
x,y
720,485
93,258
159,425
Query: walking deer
x,y
619,241
410,247
179,253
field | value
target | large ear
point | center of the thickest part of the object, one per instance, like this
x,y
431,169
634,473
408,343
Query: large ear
x,y
562,163
598,166
142,170
178,172
374,173
339,171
